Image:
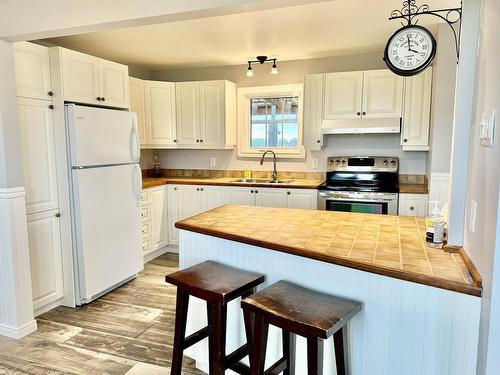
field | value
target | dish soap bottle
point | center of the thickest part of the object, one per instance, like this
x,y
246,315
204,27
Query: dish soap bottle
x,y
156,166
248,173
434,226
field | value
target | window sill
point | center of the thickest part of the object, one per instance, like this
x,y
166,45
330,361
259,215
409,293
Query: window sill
x,y
280,154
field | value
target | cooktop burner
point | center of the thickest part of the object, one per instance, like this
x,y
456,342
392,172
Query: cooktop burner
x,y
363,174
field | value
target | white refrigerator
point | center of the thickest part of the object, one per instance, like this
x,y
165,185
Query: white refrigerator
x,y
103,147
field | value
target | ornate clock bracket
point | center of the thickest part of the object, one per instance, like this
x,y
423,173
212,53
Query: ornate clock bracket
x,y
451,16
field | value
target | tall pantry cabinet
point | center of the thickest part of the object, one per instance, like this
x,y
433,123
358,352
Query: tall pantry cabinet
x,y
40,158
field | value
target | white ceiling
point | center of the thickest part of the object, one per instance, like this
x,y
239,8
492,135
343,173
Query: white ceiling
x,y
331,28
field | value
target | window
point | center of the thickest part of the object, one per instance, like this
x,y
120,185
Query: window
x,y
270,118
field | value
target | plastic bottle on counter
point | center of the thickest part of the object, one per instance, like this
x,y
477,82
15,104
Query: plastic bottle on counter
x,y
248,172
156,166
434,226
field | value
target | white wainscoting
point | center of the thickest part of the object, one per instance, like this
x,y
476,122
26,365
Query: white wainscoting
x,y
403,328
16,304
439,186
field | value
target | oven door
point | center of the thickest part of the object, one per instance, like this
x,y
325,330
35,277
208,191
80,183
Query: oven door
x,y
367,203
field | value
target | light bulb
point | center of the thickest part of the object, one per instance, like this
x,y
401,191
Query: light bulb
x,y
274,69
249,72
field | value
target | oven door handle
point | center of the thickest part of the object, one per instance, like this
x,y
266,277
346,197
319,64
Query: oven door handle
x,y
361,199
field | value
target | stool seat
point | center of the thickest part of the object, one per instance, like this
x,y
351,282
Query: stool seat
x,y
302,311
212,281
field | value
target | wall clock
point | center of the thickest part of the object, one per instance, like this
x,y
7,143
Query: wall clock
x,y
410,50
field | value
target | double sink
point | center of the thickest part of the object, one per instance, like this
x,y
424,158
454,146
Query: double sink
x,y
261,181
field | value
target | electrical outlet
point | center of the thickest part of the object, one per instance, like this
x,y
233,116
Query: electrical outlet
x,y
212,161
315,163
473,216
487,130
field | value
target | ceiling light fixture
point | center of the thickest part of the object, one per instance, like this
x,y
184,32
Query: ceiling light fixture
x,y
261,60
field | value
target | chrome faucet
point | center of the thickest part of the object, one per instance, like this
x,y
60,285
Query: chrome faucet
x,y
274,174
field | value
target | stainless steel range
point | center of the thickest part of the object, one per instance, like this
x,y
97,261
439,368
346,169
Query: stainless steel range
x,y
363,184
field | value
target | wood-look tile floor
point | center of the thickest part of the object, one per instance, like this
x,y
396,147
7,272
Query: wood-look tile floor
x,y
127,331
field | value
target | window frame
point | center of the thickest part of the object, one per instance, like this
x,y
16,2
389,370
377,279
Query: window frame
x,y
245,94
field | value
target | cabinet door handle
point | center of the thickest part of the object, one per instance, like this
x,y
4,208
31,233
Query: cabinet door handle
x,y
197,140
288,193
51,106
197,189
358,113
412,208
201,140
175,140
256,191
103,98
251,191
201,189
98,98
405,140
58,214
318,141
364,113
50,93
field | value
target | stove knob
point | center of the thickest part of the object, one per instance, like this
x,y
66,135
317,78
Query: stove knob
x,y
343,162
386,163
393,163
337,162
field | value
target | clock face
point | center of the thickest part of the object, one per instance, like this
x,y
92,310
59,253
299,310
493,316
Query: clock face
x,y
410,50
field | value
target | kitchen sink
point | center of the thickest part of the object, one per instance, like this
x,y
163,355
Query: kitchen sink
x,y
261,181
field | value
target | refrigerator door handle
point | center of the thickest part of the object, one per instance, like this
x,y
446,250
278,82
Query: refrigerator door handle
x,y
137,184
135,142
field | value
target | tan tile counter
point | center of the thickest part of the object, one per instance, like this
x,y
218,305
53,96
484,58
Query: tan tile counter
x,y
226,181
413,189
393,246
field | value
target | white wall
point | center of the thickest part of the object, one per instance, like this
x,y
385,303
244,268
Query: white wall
x,y
386,145
444,71
290,72
483,186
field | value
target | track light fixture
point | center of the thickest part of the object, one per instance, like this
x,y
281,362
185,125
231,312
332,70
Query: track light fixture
x,y
261,60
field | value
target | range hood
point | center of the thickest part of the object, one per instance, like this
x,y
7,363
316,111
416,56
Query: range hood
x,y
362,126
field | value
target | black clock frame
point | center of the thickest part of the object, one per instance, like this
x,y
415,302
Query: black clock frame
x,y
410,72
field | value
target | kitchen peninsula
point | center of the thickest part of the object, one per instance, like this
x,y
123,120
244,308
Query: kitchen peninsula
x,y
421,305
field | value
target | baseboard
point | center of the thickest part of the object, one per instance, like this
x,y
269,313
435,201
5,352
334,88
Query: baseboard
x,y
157,253
19,332
48,307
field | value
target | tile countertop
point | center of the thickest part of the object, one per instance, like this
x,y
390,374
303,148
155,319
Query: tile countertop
x,y
413,189
392,246
148,182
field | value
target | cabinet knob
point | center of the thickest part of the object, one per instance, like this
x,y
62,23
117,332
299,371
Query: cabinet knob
x,y
256,191
50,93
364,113
58,214
197,140
51,106
197,189
175,188
405,140
98,98
251,191
288,193
175,140
318,141
201,140
358,113
412,208
103,99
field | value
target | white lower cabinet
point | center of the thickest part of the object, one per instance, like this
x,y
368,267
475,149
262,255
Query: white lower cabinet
x,y
45,257
302,198
154,219
270,197
413,205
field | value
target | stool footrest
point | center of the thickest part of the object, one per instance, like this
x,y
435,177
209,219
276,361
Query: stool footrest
x,y
237,355
278,367
240,368
195,337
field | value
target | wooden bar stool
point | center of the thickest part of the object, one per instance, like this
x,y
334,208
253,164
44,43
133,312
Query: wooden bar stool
x,y
217,284
301,311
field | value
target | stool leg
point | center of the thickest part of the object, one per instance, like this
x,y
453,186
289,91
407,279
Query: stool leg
x,y
314,356
249,319
289,352
217,315
259,345
181,309
341,351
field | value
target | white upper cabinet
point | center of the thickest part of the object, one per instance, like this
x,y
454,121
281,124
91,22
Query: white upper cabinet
x,y
382,94
206,114
137,105
417,111
32,69
160,113
343,95
188,112
369,94
38,152
113,82
212,121
91,80
80,77
313,111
